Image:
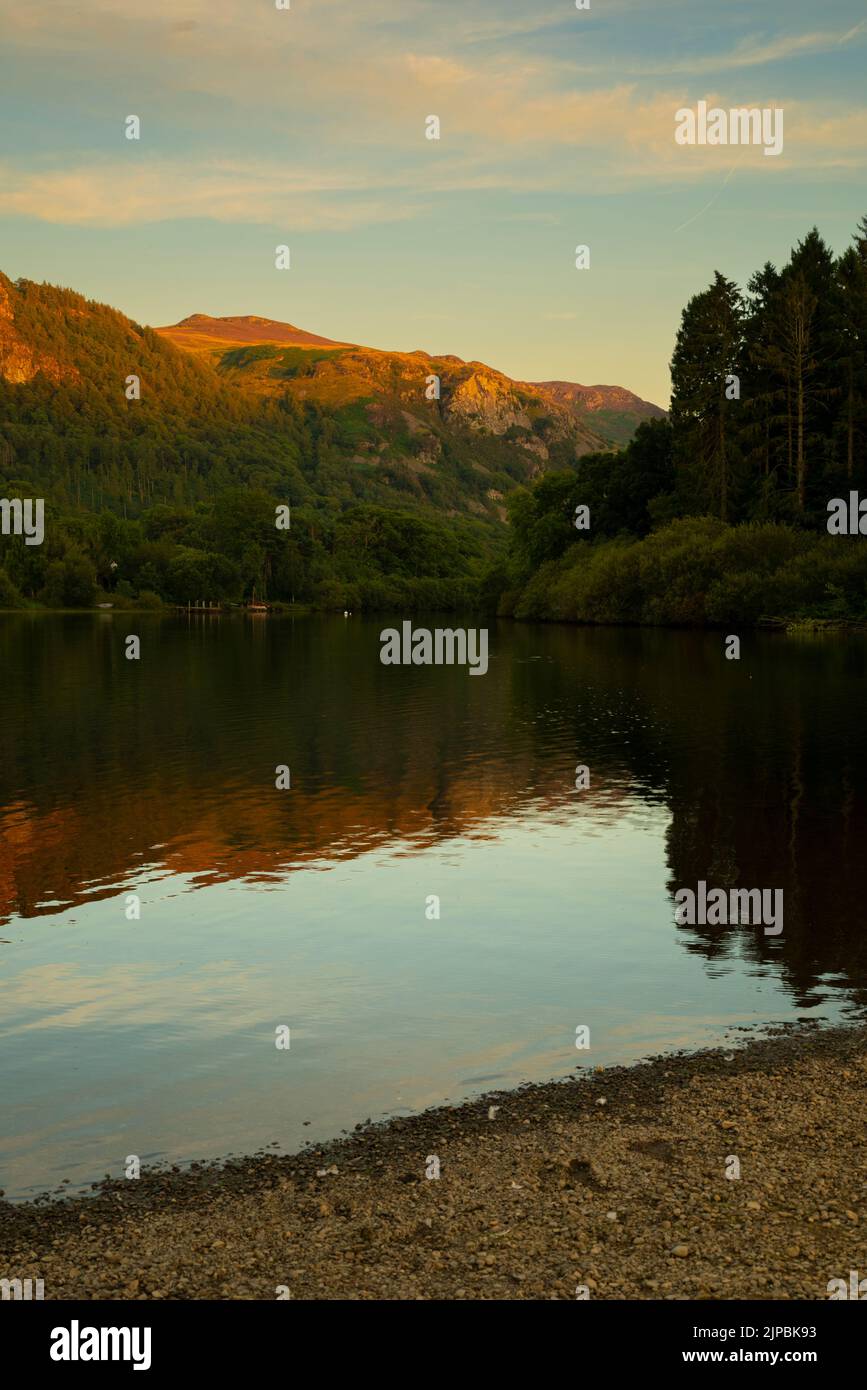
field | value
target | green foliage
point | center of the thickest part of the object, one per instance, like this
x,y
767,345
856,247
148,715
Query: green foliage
x,y
69,582
796,433
699,571
244,356
231,550
299,361
172,498
9,595
659,549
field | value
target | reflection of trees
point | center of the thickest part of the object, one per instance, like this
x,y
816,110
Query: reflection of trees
x,y
108,765
763,765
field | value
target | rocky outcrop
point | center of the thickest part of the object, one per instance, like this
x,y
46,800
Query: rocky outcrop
x,y
594,398
482,403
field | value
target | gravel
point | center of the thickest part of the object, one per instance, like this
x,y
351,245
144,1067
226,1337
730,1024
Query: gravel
x,y
554,1197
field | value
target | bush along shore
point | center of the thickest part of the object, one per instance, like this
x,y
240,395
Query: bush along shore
x,y
724,1174
698,572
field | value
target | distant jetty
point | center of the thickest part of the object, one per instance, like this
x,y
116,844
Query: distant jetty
x,y
206,606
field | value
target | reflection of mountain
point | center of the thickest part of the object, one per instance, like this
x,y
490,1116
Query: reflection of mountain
x,y
77,856
112,770
193,793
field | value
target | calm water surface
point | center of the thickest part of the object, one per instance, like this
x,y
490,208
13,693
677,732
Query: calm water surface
x,y
306,907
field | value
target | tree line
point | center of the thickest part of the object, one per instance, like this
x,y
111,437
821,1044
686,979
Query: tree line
x,y
719,513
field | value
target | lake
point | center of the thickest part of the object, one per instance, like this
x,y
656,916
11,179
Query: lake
x,y
166,910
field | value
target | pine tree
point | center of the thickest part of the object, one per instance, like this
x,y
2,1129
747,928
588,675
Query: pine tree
x,y
850,303
708,352
761,413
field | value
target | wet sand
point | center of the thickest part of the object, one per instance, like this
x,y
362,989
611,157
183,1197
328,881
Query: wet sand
x,y
610,1186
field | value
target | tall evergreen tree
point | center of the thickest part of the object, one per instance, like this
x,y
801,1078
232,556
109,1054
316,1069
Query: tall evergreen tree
x,y
850,304
707,355
761,417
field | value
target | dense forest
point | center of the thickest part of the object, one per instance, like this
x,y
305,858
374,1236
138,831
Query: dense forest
x,y
715,514
720,512
170,496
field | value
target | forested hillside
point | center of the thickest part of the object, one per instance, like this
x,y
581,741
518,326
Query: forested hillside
x,y
162,455
719,514
172,495
67,425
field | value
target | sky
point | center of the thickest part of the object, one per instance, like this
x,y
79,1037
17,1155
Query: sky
x,y
306,127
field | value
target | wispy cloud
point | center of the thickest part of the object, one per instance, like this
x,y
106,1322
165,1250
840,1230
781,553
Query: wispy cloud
x,y
117,194
529,144
345,92
753,52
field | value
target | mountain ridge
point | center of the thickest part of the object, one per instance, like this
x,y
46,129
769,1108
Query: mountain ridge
x,y
477,396
247,328
250,401
253,329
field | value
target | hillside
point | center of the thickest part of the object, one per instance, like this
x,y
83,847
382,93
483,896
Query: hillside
x,y
392,388
612,410
161,453
200,330
250,401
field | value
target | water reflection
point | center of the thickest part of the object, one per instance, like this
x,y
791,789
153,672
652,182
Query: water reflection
x,y
114,771
157,778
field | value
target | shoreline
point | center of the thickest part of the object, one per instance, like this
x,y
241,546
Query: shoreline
x,y
614,1181
787,627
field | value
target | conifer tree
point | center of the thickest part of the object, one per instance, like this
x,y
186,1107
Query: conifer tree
x,y
708,354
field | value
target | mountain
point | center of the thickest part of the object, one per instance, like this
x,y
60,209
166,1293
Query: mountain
x,y
161,453
248,328
19,360
249,401
616,412
394,386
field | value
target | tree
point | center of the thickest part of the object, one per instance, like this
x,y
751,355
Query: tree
x,y
850,303
707,354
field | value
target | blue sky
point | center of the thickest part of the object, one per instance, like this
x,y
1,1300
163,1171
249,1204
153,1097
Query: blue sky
x,y
307,127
